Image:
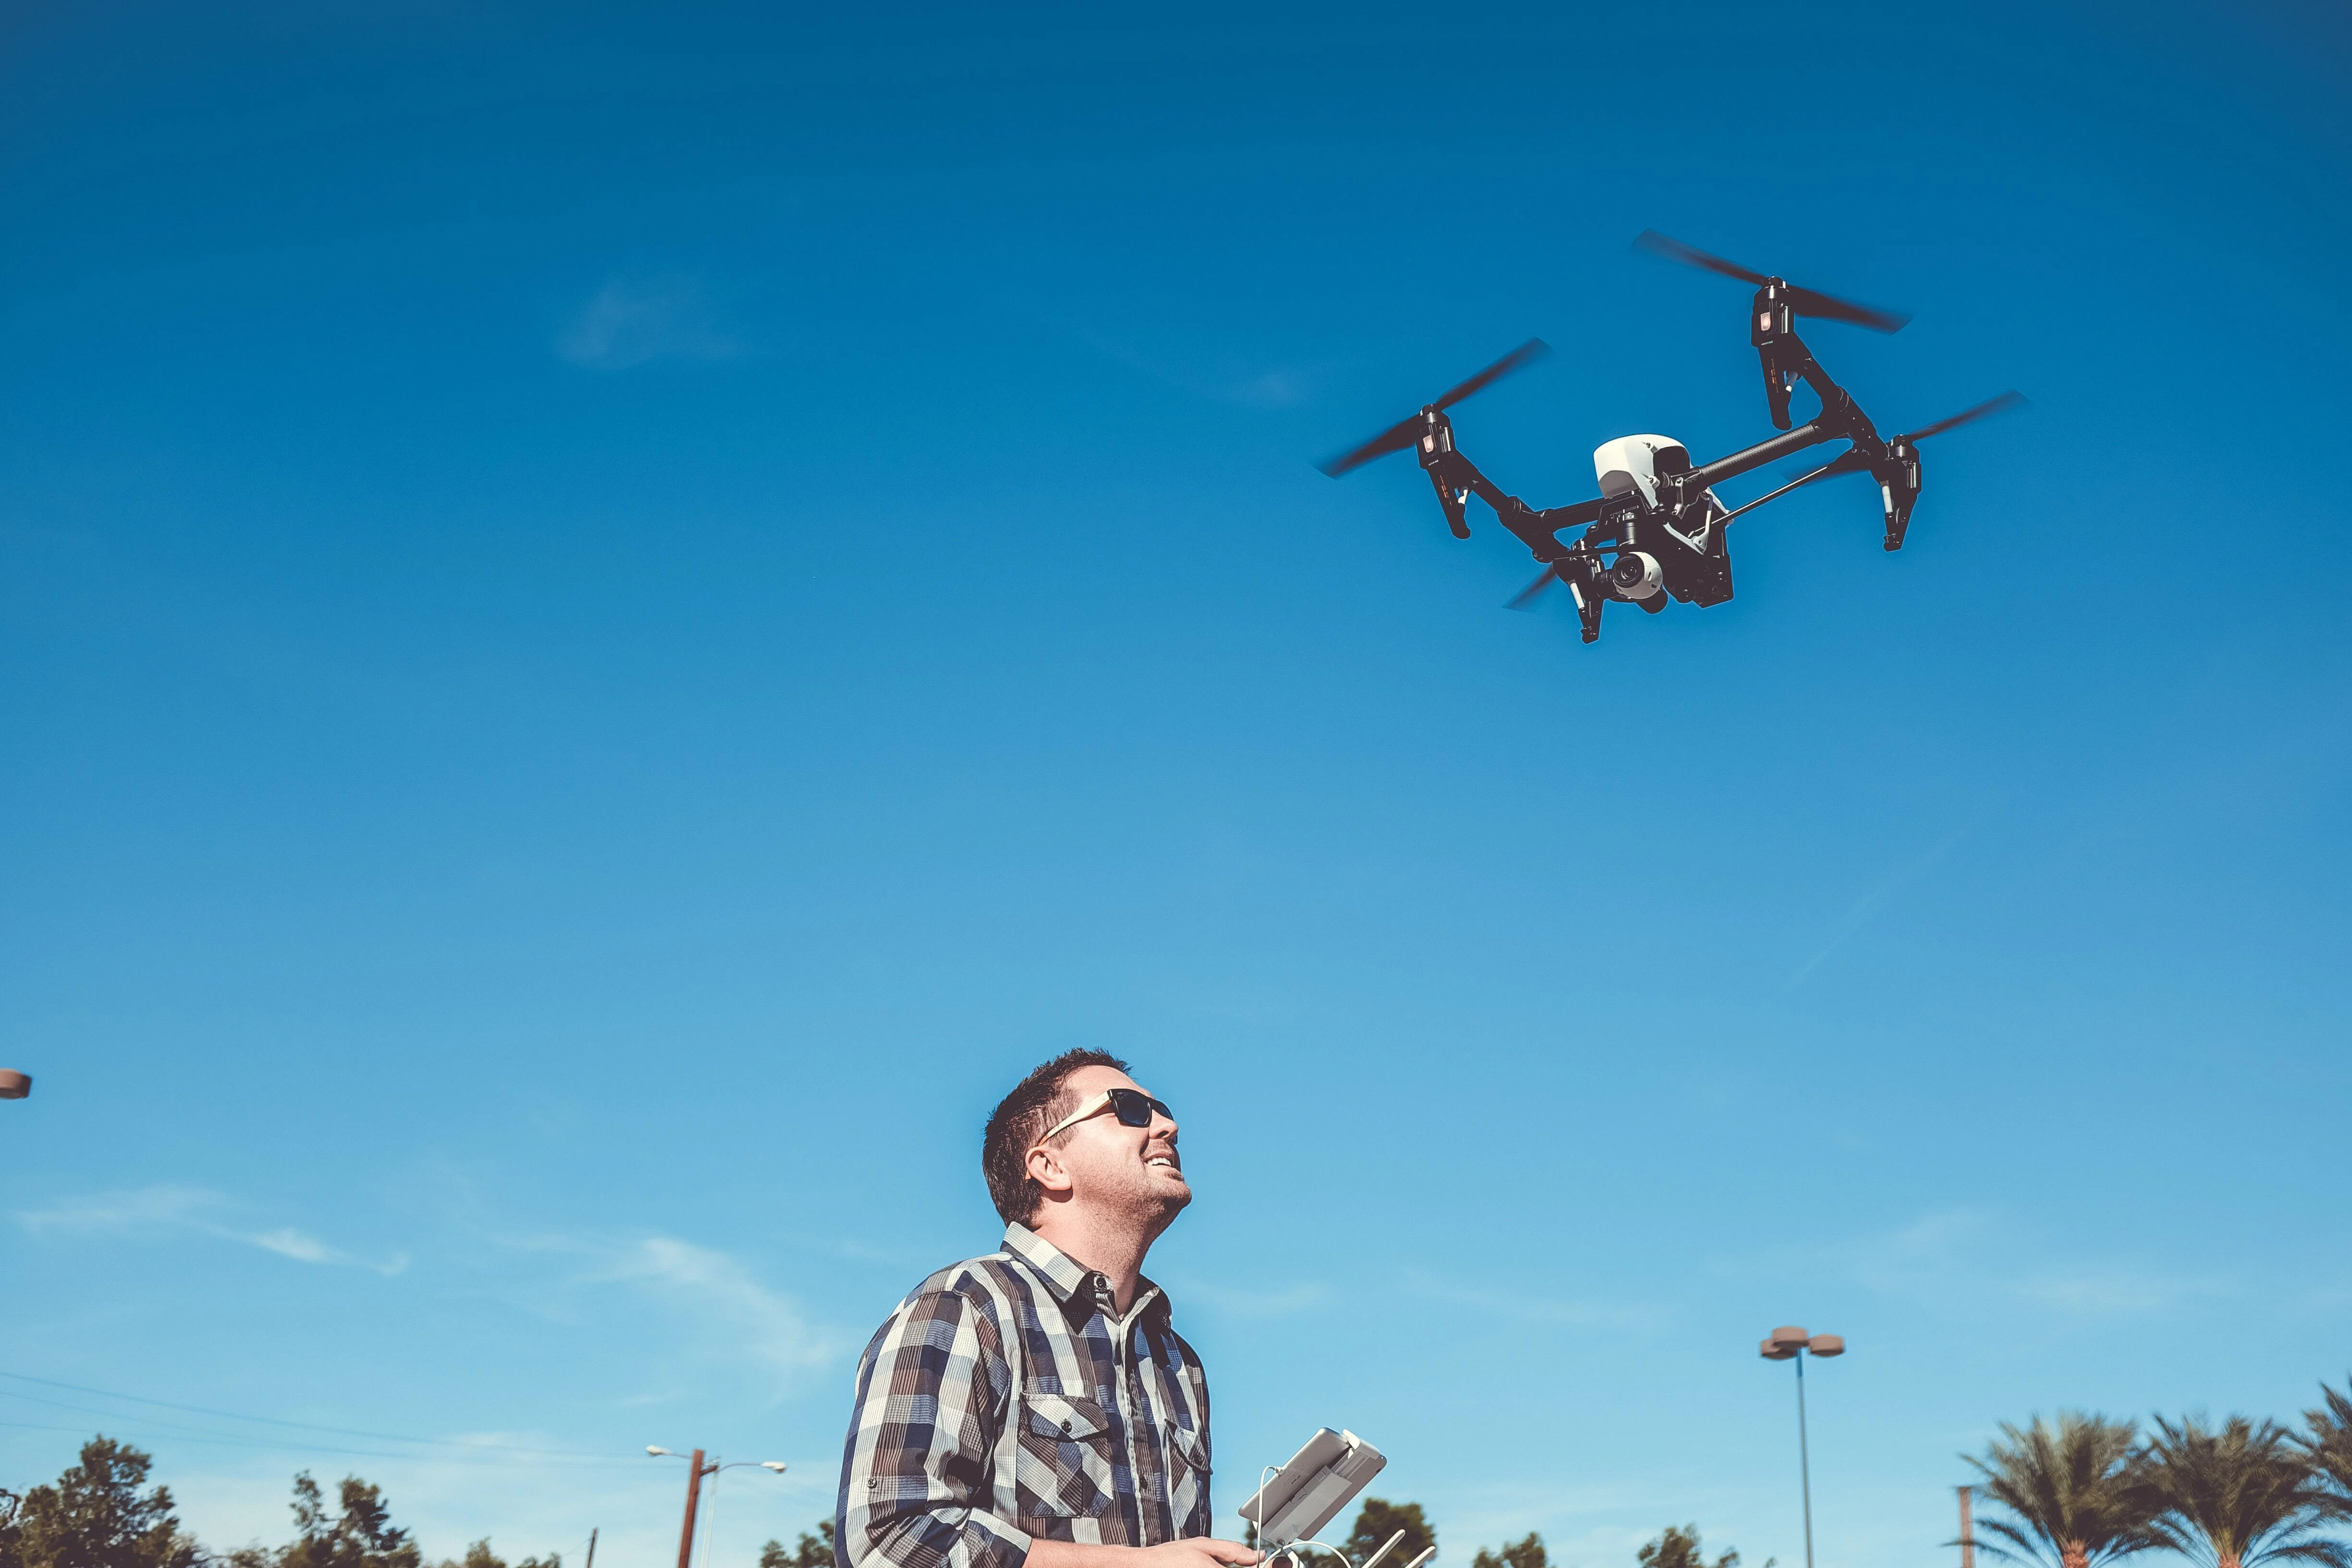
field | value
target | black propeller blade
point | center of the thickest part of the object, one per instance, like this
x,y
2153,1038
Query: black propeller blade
x,y
1805,301
1525,599
2001,405
1406,431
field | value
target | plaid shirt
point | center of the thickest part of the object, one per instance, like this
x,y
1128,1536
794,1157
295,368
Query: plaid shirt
x,y
1004,1401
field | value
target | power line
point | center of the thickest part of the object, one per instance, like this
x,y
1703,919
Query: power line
x,y
452,1443
219,1440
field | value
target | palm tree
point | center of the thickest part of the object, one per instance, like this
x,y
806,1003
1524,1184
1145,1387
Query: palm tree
x,y
2239,1496
2329,1447
2076,1492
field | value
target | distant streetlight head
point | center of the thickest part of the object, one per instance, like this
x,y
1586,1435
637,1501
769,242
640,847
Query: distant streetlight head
x,y
1789,1334
15,1085
1773,1349
656,1453
1826,1344
776,1464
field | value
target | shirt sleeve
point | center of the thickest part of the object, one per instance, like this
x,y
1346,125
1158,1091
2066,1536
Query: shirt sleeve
x,y
915,1483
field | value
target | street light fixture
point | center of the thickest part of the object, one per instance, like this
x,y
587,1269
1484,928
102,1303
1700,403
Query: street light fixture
x,y
1792,1344
15,1085
695,1470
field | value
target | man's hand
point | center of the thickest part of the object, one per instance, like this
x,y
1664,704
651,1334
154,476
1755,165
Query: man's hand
x,y
1199,1552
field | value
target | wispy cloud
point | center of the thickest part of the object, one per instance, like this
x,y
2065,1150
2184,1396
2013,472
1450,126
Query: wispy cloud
x,y
1967,1252
1868,904
632,320
1525,1306
1242,1301
167,1206
1236,381
2108,1289
771,1326
735,1315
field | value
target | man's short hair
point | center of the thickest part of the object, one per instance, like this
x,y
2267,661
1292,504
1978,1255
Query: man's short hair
x,y
1035,1103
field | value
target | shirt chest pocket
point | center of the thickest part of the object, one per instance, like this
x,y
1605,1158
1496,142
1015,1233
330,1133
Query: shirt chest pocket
x,y
1190,1448
1188,1480
1062,1466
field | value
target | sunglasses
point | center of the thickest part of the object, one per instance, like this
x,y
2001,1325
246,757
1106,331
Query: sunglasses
x,y
1131,1106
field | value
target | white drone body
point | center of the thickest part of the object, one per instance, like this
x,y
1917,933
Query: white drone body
x,y
1629,467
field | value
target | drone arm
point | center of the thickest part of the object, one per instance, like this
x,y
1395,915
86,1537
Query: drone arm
x,y
1847,463
1812,433
1536,529
1455,479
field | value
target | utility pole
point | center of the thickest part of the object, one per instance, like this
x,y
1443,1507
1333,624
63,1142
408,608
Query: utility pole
x,y
592,1549
695,1470
1967,1541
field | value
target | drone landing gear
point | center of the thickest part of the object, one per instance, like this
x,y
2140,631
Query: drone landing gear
x,y
1898,488
1584,577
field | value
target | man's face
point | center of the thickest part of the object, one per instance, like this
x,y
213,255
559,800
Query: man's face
x,y
1129,1171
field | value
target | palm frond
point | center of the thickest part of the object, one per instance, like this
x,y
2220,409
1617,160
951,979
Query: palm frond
x,y
2329,1445
2238,1495
2074,1491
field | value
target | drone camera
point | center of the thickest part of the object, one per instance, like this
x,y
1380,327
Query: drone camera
x,y
1637,574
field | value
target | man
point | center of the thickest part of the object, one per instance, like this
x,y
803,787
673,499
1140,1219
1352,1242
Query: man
x,y
1032,1408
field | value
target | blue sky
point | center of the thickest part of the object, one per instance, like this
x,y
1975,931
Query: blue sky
x,y
611,618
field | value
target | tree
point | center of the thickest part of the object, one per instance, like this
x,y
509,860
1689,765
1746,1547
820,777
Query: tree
x,y
2076,1494
1525,1553
2242,1495
1680,1549
479,1555
2329,1447
359,1536
95,1517
813,1551
1379,1520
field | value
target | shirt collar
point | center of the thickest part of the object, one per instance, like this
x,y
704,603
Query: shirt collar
x,y
1082,1291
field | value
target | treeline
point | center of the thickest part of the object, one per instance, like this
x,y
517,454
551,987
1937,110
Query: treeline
x,y
2083,1492
97,1516
2088,1490
1674,1547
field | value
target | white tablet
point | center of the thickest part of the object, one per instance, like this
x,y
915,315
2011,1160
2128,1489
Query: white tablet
x,y
1305,1495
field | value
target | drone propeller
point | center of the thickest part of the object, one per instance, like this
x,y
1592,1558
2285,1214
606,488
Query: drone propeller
x,y
2001,405
1406,431
1525,599
1805,301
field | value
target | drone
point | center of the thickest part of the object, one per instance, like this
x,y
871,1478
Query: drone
x,y
1657,530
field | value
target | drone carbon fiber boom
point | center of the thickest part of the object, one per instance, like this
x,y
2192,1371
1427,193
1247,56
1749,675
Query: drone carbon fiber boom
x,y
1657,530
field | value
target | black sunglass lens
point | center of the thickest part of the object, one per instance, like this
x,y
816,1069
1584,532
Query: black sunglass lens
x,y
1134,1109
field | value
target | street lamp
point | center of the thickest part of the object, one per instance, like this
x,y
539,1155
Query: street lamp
x,y
1791,1343
15,1085
695,1470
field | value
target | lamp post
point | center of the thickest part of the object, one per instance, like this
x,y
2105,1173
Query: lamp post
x,y
695,1470
15,1085
1791,1343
